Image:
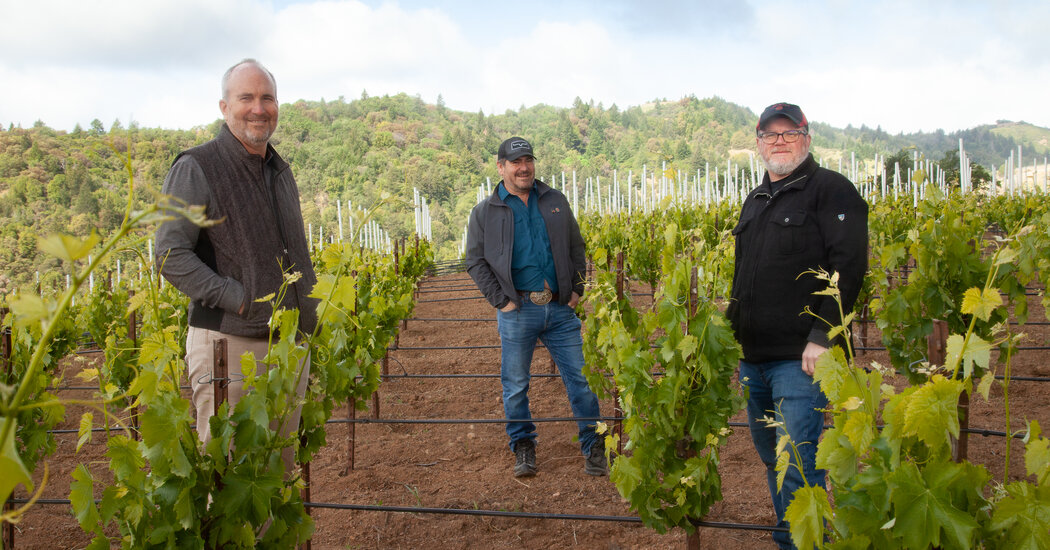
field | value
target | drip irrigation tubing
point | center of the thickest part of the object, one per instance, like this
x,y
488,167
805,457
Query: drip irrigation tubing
x,y
450,289
452,319
407,376
446,421
417,348
478,297
534,375
471,420
1017,348
78,388
533,515
439,376
445,281
1029,323
468,512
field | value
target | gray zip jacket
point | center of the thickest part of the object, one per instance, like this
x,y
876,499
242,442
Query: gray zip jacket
x,y
490,244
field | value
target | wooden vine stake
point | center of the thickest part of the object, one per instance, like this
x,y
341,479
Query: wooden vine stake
x,y
306,487
864,318
937,343
386,356
351,405
220,372
375,394
5,359
692,540
350,432
220,383
134,337
397,270
617,411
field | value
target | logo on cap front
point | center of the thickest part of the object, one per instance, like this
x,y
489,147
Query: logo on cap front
x,y
519,144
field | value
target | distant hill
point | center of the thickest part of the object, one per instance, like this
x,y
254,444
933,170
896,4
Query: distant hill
x,y
988,145
1038,138
353,150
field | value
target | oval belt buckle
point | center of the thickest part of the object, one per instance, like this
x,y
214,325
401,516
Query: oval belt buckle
x,y
541,298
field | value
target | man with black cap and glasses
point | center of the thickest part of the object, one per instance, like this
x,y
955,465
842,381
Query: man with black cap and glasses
x,y
802,217
526,255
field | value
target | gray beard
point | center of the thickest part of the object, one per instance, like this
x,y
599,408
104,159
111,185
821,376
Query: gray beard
x,y
783,168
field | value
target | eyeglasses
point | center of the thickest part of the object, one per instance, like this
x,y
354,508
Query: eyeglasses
x,y
790,136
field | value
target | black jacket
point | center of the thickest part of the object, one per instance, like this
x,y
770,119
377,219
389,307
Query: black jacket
x,y
227,266
490,244
816,219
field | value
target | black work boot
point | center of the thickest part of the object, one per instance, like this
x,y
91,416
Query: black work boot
x,y
525,458
596,464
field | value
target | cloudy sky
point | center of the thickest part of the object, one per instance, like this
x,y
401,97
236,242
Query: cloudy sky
x,y
903,65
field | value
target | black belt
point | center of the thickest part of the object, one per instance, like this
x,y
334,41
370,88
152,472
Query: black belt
x,y
539,297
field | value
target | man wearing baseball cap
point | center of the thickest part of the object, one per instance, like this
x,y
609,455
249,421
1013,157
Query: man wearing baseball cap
x,y
801,218
526,255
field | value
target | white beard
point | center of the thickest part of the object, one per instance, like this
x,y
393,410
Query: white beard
x,y
783,167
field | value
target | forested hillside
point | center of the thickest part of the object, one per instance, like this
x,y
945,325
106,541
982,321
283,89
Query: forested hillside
x,y
76,182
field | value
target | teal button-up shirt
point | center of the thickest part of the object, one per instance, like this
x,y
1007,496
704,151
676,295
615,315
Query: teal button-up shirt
x,y
531,262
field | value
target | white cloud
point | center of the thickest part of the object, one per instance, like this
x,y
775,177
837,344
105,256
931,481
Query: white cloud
x,y
554,63
902,65
328,49
144,35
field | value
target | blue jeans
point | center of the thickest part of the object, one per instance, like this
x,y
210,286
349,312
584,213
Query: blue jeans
x,y
559,329
782,390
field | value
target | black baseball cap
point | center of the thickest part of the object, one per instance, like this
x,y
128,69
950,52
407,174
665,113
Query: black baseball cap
x,y
514,148
786,110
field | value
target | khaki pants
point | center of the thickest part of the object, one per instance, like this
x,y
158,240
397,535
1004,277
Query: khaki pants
x,y
200,362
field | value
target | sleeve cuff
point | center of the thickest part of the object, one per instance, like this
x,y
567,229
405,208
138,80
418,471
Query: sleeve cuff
x,y
820,337
233,297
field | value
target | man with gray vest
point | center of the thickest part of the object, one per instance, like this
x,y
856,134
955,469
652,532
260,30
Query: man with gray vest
x,y
224,268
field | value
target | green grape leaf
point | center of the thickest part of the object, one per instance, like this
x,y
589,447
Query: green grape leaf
x,y
136,301
87,421
981,303
82,498
830,373
835,455
985,386
12,470
28,309
67,247
924,512
687,347
1007,256
783,463
1037,454
1022,517
859,429
626,474
977,352
807,512
247,493
932,412
124,456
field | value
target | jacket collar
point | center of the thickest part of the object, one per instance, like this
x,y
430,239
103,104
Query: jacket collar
x,y
236,148
500,192
797,178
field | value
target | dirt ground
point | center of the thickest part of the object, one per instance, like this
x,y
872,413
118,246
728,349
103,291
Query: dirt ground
x,y
467,465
